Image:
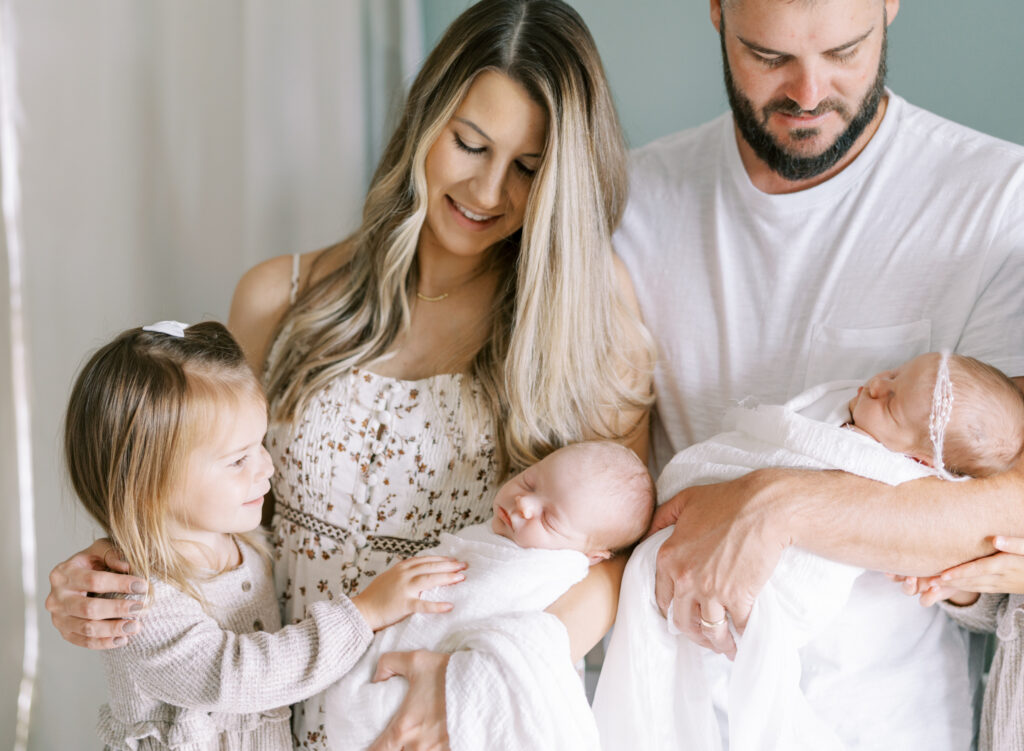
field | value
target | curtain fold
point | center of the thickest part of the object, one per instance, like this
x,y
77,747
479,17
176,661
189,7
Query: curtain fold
x,y
165,146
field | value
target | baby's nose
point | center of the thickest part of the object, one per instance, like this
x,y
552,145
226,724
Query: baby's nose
x,y
524,507
873,387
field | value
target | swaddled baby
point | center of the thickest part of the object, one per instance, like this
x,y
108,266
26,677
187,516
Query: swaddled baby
x,y
510,682
933,415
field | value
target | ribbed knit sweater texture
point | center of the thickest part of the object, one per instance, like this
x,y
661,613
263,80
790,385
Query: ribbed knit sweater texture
x,y
223,678
1002,711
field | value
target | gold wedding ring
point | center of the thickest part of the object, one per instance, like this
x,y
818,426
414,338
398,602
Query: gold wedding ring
x,y
713,624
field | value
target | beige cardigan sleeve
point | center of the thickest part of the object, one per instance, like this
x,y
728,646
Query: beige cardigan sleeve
x,y
183,656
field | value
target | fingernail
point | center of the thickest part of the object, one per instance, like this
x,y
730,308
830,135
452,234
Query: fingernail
x,y
120,641
136,607
139,587
997,540
130,627
459,577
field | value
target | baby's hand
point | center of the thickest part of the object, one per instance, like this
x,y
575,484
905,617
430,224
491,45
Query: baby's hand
x,y
395,594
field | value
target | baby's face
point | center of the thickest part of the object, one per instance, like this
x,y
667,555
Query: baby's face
x,y
550,505
893,407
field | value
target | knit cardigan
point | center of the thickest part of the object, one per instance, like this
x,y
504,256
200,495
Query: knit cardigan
x,y
222,678
1002,712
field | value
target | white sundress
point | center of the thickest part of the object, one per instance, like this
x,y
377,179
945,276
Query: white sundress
x,y
372,472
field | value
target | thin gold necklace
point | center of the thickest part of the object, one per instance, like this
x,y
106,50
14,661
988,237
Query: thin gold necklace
x,y
431,299
427,298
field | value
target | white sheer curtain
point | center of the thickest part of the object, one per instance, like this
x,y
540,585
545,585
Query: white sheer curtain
x,y
164,146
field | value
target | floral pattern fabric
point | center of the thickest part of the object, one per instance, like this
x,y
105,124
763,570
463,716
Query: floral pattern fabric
x,y
374,468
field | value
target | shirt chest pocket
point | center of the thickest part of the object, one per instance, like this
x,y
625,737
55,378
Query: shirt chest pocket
x,y
837,353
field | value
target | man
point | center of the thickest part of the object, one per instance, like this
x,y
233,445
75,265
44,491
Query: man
x,y
826,229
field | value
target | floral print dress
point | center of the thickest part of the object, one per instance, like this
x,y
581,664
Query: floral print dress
x,y
372,471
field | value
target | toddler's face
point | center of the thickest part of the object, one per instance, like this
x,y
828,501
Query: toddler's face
x,y
550,505
893,406
227,476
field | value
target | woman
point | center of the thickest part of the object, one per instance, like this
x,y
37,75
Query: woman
x,y
476,321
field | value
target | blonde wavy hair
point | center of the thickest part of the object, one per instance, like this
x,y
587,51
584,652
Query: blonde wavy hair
x,y
138,408
556,366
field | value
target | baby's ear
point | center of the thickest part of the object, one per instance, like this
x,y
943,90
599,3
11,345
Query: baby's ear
x,y
596,556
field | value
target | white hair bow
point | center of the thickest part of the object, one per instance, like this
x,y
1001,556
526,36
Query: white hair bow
x,y
171,328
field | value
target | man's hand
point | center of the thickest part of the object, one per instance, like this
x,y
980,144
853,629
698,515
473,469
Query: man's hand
x,y
725,546
94,622
420,724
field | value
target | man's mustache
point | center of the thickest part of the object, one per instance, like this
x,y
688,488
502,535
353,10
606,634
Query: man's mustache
x,y
789,107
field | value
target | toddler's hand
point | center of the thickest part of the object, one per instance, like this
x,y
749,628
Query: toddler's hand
x,y
1001,572
395,594
932,589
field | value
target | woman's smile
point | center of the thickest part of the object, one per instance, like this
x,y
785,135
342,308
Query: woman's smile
x,y
471,220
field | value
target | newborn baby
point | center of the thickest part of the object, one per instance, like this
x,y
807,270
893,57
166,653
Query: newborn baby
x,y
912,410
934,415
510,682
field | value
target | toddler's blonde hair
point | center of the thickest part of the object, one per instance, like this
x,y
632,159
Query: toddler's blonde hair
x,y
138,408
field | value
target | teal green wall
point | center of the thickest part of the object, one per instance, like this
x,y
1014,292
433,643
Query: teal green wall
x,y
963,59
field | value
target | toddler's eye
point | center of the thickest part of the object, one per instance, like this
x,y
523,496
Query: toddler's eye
x,y
240,462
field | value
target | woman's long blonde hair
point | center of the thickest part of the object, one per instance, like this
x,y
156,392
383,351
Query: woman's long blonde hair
x,y
555,367
138,408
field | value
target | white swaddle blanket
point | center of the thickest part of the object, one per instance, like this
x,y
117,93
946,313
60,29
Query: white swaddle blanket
x,y
657,689
510,683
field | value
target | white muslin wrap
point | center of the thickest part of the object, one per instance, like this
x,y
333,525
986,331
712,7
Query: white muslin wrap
x,y
658,690
510,682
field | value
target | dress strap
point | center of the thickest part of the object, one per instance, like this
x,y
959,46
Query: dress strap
x,y
295,279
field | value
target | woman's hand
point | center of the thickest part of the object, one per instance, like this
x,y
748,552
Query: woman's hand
x,y
395,594
421,723
94,622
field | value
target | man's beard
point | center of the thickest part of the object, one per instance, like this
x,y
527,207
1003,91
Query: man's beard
x,y
789,166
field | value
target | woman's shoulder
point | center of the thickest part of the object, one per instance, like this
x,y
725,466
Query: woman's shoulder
x,y
267,290
261,298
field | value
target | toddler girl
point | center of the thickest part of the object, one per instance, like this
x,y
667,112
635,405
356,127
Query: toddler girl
x,y
164,446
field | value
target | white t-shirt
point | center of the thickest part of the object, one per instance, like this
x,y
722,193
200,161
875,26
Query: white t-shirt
x,y
917,245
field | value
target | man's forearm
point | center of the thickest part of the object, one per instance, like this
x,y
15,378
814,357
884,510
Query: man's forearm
x,y
917,528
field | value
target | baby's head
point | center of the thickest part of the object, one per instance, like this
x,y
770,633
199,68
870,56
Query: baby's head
x,y
596,497
152,418
973,420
